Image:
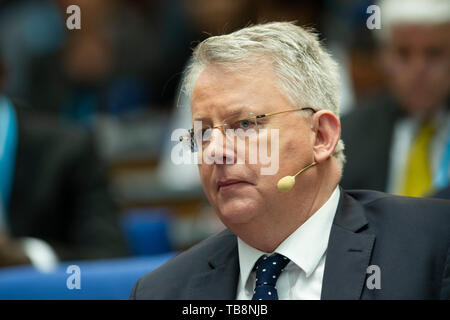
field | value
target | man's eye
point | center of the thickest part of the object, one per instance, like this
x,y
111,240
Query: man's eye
x,y
244,124
206,134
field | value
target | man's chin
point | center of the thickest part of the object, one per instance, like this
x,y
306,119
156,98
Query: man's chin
x,y
237,212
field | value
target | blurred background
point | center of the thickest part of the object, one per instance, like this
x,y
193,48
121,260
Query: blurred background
x,y
88,174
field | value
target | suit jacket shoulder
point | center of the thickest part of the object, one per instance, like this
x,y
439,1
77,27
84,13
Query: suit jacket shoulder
x,y
406,238
189,274
426,215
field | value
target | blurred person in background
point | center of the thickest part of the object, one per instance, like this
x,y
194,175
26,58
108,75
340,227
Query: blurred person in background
x,y
54,198
108,66
399,142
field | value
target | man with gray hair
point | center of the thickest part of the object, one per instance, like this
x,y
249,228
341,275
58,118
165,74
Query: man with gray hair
x,y
294,234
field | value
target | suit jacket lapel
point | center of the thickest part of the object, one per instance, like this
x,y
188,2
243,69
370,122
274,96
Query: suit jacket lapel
x,y
348,254
219,281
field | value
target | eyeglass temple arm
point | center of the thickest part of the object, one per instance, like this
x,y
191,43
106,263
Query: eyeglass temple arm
x,y
278,112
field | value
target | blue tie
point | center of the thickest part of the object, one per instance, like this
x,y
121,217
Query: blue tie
x,y
268,270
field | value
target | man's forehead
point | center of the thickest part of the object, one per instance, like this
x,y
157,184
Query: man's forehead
x,y
439,33
209,99
220,78
218,90
245,72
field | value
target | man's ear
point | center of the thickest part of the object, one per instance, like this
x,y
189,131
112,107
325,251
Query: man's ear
x,y
327,128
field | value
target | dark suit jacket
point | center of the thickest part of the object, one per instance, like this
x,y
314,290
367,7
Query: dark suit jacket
x,y
367,135
442,194
60,192
407,238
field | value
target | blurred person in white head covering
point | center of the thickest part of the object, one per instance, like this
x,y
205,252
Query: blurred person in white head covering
x,y
409,126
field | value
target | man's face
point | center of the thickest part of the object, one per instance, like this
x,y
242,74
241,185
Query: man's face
x,y
219,94
417,62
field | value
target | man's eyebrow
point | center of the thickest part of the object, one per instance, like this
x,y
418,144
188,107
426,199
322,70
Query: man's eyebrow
x,y
235,112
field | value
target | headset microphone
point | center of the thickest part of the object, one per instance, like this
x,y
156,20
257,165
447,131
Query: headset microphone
x,y
287,183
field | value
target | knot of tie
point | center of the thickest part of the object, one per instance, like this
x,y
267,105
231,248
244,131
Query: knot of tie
x,y
268,269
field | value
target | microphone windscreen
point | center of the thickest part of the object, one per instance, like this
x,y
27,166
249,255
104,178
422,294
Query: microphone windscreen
x,y
286,184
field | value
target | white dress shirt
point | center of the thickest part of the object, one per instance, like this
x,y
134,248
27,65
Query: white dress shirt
x,y
305,247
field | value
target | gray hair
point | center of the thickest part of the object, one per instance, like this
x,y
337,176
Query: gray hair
x,y
307,73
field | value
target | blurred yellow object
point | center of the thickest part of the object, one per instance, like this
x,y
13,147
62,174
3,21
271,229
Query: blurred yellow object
x,y
418,177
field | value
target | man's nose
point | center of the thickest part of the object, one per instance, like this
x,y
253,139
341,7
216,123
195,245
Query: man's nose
x,y
219,149
419,65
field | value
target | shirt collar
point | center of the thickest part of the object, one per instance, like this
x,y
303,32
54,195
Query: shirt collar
x,y
304,247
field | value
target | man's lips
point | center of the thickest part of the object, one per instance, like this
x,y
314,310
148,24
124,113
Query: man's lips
x,y
229,182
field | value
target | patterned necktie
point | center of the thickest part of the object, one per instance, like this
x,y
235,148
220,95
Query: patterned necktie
x,y
268,270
